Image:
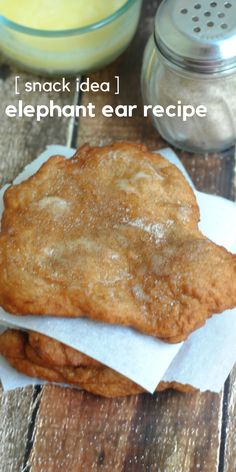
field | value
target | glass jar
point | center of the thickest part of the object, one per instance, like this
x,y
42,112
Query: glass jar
x,y
183,67
70,51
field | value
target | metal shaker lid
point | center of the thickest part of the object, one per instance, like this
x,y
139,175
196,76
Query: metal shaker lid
x,y
198,35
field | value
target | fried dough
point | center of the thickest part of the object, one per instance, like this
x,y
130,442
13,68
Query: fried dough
x,y
112,234
39,356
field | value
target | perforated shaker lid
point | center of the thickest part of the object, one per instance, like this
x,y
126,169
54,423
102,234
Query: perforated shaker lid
x,y
198,35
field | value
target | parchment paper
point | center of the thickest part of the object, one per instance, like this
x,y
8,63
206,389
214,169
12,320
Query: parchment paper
x,y
203,361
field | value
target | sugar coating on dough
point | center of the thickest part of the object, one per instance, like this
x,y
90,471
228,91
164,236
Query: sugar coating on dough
x,y
112,234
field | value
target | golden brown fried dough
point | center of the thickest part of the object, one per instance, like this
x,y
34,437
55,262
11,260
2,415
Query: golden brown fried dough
x,y
101,380
59,354
112,233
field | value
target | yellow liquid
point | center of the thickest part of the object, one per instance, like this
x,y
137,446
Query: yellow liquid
x,y
58,14
67,54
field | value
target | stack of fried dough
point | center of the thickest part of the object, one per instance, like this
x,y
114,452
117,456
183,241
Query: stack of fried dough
x,y
45,358
111,233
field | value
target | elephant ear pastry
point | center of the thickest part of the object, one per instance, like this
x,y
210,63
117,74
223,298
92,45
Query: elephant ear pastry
x,y
39,356
112,234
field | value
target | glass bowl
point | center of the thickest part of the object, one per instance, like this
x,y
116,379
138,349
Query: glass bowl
x,y
73,51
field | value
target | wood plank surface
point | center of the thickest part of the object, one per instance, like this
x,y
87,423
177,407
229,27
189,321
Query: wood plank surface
x,y
229,446
16,409
22,139
167,432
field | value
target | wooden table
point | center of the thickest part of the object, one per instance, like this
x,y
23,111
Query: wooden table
x,y
52,429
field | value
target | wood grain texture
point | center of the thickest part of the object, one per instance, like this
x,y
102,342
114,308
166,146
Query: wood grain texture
x,y
211,173
229,450
167,432
15,415
21,140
